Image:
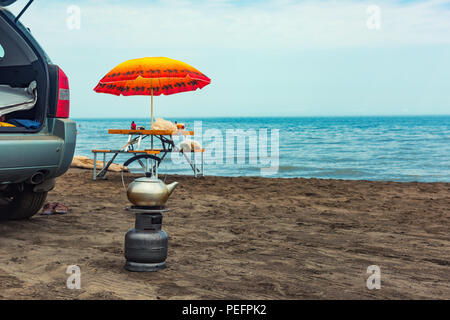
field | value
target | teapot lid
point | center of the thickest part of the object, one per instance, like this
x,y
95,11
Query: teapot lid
x,y
148,178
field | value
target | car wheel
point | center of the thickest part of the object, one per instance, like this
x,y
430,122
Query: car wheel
x,y
22,204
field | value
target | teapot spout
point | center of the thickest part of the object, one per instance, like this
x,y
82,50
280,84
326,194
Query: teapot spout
x,y
172,187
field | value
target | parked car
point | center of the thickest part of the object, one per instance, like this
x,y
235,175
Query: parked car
x,y
37,138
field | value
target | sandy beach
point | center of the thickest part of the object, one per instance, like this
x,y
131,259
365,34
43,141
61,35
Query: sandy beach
x,y
239,238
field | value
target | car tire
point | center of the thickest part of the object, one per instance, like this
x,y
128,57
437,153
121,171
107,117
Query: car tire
x,y
23,205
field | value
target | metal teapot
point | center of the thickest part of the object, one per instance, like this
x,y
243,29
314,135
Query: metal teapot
x,y
149,191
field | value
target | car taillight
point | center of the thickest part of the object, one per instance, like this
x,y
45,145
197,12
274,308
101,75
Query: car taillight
x,y
63,106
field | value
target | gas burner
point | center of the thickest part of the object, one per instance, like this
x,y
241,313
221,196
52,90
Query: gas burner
x,y
140,209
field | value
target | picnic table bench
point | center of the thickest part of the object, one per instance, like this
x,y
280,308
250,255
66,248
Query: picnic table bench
x,y
155,155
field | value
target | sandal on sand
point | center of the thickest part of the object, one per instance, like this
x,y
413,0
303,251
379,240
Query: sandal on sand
x,y
48,209
60,208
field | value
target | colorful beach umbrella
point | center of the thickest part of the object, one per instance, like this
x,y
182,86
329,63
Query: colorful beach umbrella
x,y
152,77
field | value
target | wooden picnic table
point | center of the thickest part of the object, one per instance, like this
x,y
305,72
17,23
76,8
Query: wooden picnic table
x,y
135,138
151,132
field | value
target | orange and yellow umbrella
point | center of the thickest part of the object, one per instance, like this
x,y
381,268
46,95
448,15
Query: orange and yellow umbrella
x,y
152,77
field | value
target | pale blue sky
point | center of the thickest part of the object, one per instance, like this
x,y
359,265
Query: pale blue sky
x,y
265,58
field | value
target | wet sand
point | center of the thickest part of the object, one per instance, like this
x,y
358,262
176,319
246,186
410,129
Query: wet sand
x,y
239,238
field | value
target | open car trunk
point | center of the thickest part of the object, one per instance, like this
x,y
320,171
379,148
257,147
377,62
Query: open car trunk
x,y
17,99
23,79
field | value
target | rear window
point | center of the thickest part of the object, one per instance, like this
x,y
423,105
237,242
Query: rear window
x,y
26,31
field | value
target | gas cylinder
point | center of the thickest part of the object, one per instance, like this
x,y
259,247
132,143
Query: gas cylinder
x,y
146,244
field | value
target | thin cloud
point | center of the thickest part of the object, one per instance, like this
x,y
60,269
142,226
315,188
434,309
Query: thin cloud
x,y
276,24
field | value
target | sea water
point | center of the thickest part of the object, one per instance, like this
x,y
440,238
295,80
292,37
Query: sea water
x,y
414,148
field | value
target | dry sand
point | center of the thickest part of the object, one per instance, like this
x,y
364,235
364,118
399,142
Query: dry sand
x,y
239,238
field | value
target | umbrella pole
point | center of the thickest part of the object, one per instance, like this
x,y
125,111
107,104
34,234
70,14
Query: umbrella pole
x,y
151,120
151,123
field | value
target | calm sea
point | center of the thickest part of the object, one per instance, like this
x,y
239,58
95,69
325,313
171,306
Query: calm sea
x,y
363,148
